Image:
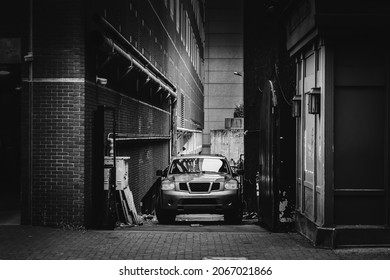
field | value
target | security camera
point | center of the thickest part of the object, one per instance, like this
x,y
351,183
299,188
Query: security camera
x,y
101,81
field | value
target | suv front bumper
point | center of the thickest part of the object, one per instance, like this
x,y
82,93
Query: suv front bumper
x,y
190,203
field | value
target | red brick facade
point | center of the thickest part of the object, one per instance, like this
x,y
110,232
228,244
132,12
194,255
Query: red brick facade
x,y
63,140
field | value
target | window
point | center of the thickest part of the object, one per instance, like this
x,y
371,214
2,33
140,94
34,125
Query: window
x,y
182,23
196,165
172,8
178,15
187,34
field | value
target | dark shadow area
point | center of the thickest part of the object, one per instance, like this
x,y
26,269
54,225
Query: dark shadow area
x,y
10,91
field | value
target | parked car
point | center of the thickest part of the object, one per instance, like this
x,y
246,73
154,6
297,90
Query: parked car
x,y
199,184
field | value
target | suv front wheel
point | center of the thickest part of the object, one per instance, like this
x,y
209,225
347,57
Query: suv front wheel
x,y
165,216
233,216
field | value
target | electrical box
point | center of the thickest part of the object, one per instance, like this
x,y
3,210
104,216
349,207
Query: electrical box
x,y
122,171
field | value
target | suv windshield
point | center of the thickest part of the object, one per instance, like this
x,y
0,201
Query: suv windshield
x,y
197,165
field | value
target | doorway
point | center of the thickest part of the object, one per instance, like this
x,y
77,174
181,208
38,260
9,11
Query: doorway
x,y
10,95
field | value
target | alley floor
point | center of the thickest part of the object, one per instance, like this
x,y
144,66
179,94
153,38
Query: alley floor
x,y
190,238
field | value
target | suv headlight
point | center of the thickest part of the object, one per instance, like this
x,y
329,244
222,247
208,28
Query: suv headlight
x,y
167,185
231,185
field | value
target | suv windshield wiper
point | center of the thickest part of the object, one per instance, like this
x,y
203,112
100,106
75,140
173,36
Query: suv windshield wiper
x,y
210,172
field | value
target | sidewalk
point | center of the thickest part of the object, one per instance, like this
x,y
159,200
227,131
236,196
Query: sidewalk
x,y
182,241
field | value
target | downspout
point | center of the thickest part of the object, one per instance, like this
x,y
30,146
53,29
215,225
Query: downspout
x,y
29,59
170,131
173,128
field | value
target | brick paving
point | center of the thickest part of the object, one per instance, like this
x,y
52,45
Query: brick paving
x,y
147,243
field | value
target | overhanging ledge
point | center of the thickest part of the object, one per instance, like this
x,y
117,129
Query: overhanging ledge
x,y
123,137
132,55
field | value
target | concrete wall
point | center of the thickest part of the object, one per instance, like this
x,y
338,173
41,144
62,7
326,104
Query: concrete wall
x,y
223,57
228,143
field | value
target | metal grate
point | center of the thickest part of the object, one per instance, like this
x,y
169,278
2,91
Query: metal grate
x,y
215,187
183,186
199,187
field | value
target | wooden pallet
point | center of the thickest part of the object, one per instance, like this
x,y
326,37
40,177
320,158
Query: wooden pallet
x,y
128,206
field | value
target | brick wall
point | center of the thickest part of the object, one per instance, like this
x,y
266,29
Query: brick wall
x,y
56,195
137,119
66,98
59,39
148,26
146,158
58,154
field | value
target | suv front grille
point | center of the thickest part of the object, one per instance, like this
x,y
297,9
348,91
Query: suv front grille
x,y
215,187
183,186
199,187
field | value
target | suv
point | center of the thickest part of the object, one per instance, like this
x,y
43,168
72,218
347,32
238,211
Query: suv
x,y
199,184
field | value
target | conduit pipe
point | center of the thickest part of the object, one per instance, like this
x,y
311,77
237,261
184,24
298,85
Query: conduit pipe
x,y
29,59
147,68
111,45
138,55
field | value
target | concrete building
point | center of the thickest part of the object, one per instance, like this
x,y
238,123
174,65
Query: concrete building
x,y
73,73
223,56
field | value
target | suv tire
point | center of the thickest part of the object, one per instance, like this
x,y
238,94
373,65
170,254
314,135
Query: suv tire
x,y
233,217
165,216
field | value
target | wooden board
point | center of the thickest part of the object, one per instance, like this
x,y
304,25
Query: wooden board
x,y
130,202
125,208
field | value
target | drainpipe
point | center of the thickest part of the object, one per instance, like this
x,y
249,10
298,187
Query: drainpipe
x,y
173,129
29,59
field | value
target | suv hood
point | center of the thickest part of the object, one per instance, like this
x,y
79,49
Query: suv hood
x,y
199,177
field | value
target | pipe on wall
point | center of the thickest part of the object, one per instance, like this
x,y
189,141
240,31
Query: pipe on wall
x,y
138,55
29,59
138,59
111,45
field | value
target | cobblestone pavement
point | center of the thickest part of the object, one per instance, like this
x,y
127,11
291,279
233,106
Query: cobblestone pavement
x,y
156,242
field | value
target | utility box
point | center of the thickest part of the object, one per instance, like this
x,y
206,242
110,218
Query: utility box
x,y
122,172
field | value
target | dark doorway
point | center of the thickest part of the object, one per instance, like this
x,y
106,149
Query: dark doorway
x,y
10,95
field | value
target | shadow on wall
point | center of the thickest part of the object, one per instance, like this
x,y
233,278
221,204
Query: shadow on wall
x,y
150,198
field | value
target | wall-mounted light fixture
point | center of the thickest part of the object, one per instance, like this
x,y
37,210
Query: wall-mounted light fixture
x,y
238,73
314,101
296,106
4,73
101,81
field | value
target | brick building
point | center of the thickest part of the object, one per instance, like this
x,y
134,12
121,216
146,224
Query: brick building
x,y
84,70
